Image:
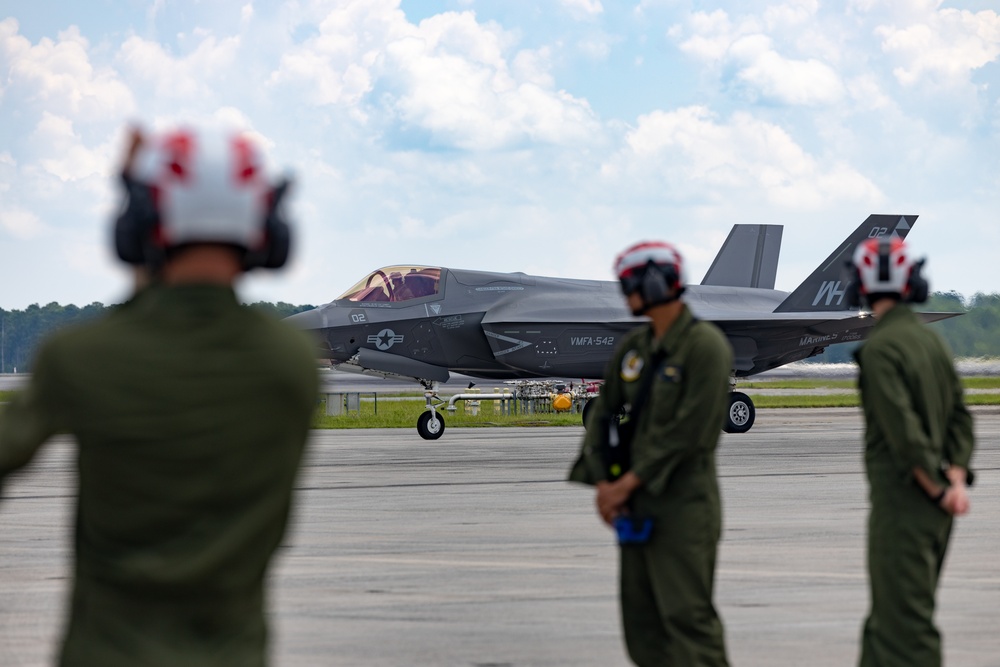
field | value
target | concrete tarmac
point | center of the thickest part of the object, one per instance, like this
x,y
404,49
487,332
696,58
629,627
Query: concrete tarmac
x,y
472,551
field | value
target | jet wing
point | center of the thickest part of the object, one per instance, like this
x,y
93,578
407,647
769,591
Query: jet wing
x,y
774,339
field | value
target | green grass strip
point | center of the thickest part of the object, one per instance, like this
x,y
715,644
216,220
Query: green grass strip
x,y
403,414
796,384
821,383
827,401
981,382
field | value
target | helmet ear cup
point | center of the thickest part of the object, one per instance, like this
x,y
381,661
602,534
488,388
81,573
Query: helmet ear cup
x,y
918,289
279,243
277,235
134,229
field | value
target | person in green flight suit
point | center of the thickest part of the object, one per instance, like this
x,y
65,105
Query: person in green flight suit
x,y
673,373
918,445
190,413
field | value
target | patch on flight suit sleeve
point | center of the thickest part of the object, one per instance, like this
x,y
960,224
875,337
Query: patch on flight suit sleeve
x,y
632,365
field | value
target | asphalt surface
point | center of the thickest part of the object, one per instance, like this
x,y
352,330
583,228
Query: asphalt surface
x,y
472,551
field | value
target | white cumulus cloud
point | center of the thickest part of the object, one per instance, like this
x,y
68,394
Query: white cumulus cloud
x,y
57,75
337,66
747,48
63,153
583,8
171,77
774,77
20,223
459,81
696,153
946,46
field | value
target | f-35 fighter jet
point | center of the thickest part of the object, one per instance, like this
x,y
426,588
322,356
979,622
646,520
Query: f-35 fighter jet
x,y
424,322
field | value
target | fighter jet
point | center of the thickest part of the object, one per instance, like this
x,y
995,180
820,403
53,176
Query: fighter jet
x,y
426,322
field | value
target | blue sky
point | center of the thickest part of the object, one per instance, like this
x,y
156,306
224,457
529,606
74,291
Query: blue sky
x,y
509,135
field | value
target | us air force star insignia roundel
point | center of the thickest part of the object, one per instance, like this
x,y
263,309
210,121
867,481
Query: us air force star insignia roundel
x,y
631,366
385,339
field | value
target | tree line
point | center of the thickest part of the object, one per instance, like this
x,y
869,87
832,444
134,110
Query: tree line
x,y
22,330
974,334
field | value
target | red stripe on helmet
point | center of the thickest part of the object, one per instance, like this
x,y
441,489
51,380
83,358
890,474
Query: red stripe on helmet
x,y
245,163
178,148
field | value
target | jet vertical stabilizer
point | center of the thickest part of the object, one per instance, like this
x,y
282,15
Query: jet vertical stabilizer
x,y
824,290
748,258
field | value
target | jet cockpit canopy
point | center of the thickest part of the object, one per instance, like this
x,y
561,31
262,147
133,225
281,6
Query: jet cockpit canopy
x,y
396,284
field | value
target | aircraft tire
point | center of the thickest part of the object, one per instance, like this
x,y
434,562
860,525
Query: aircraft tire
x,y
585,411
430,425
741,414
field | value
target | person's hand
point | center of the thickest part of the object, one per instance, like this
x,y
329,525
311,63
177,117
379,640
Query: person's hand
x,y
607,503
956,500
133,143
956,497
612,496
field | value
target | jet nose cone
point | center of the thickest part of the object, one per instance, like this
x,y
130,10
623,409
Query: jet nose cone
x,y
317,323
310,319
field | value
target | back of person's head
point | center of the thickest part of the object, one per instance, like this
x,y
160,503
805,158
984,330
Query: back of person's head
x,y
191,186
885,268
654,269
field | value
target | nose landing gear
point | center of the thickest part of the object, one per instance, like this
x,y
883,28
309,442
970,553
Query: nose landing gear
x,y
430,423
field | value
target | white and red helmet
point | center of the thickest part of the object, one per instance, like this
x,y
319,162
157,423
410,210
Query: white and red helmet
x,y
885,266
653,268
192,185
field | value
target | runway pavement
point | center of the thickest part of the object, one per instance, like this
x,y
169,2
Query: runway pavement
x,y
472,551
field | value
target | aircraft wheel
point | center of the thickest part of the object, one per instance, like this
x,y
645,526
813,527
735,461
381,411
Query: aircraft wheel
x,y
741,413
586,411
430,425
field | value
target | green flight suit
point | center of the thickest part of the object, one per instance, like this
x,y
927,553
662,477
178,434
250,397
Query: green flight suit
x,y
915,417
190,413
667,585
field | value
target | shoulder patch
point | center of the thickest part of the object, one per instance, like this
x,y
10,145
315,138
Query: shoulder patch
x,y
632,365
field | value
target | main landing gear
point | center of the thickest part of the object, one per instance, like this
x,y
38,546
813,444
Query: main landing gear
x,y
741,413
739,417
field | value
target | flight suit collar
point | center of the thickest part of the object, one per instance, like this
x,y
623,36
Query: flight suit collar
x,y
198,292
898,315
674,334
183,300
895,315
